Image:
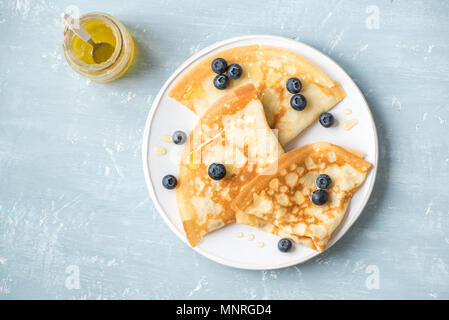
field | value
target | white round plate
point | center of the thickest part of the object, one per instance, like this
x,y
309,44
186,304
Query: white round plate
x,y
223,246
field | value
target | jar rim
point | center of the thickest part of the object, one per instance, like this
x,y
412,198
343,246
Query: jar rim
x,y
94,68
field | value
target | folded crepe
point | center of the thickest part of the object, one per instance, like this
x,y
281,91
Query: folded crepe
x,y
280,202
235,133
268,69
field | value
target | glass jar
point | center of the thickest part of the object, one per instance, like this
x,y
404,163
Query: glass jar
x,y
112,68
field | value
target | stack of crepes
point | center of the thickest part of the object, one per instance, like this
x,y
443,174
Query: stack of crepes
x,y
245,127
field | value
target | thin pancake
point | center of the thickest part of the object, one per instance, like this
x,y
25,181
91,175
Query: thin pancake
x,y
280,202
268,68
234,133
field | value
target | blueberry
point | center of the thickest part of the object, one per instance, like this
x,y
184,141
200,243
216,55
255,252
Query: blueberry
x,y
298,102
320,197
294,85
234,71
179,137
169,181
219,65
323,181
326,119
217,171
221,81
284,245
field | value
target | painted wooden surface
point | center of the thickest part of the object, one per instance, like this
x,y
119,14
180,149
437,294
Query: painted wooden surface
x,y
73,200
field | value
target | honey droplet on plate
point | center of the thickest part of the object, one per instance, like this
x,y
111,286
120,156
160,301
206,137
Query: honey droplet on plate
x,y
349,124
160,151
166,138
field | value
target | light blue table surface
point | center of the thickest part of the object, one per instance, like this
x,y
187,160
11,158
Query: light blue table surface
x,y
73,199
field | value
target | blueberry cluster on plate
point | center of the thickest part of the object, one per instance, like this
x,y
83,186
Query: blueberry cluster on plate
x,y
225,72
297,101
169,181
320,196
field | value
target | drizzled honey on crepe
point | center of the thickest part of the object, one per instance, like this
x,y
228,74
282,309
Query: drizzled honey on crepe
x,y
233,132
268,68
280,203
